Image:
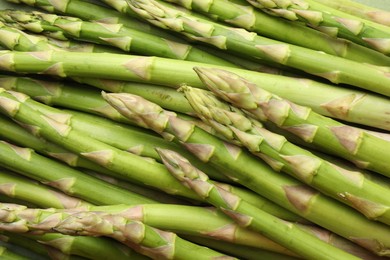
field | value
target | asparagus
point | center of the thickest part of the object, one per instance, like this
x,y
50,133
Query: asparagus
x,y
332,68
149,241
322,98
57,175
10,255
251,172
244,16
355,145
317,15
248,216
365,196
129,166
363,11
115,35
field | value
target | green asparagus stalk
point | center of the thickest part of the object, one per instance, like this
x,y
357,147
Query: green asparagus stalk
x,y
322,98
317,15
129,166
285,233
365,196
332,68
15,186
244,16
360,10
57,175
355,145
115,35
10,255
146,240
251,172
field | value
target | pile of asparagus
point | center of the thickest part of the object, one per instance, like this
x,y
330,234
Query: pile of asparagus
x,y
218,129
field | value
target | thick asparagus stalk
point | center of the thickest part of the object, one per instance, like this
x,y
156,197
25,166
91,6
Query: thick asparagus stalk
x,y
154,243
129,166
115,35
329,135
359,10
322,98
251,172
335,69
244,16
284,156
317,15
246,215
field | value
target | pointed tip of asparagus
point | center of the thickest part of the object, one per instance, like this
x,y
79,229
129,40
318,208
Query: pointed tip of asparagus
x,y
185,172
139,110
232,88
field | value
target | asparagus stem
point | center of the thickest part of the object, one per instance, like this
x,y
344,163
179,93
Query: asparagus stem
x,y
357,9
287,234
115,35
8,254
251,172
355,145
149,241
317,15
322,98
332,68
241,14
129,166
286,157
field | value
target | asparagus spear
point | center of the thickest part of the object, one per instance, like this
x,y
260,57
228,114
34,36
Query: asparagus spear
x,y
115,35
317,15
357,9
246,215
329,135
144,239
322,98
251,172
363,195
243,15
129,166
334,69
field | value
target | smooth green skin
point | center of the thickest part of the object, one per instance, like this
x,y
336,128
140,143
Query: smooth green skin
x,y
368,30
361,10
16,134
27,190
89,225
129,166
293,33
173,73
318,208
242,252
324,177
85,187
335,69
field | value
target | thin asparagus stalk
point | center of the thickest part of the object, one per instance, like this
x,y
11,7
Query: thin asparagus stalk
x,y
285,233
15,186
359,10
10,255
363,195
355,145
332,68
244,16
251,172
115,35
322,98
129,166
146,240
57,175
317,15
243,252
